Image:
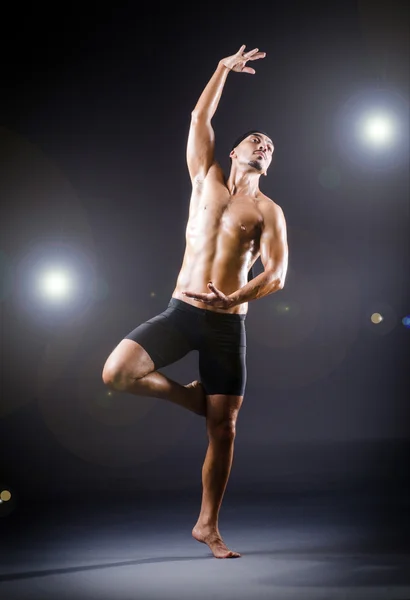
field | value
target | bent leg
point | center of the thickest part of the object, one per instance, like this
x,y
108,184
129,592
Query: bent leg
x,y
130,369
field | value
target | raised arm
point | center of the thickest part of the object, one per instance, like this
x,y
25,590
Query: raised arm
x,y
201,138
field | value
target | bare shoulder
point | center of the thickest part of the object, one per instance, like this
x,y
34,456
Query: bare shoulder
x,y
271,210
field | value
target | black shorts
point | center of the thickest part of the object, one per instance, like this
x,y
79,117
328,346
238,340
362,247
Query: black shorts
x,y
220,339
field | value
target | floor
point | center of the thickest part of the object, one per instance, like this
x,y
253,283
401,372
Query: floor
x,y
295,546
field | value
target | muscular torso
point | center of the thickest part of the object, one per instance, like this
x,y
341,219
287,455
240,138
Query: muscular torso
x,y
222,240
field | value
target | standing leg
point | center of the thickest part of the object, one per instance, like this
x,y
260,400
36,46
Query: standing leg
x,y
221,415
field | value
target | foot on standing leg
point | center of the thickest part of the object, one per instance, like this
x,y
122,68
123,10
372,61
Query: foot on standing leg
x,y
213,539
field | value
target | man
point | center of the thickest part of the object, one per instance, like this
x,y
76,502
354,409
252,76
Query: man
x,y
231,224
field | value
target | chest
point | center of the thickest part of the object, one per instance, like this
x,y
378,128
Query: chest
x,y
237,216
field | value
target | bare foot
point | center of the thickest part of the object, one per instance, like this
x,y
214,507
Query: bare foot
x,y
213,539
196,398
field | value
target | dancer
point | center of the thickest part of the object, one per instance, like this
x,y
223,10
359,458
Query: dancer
x,y
231,224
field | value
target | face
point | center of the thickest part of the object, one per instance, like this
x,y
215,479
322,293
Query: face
x,y
256,150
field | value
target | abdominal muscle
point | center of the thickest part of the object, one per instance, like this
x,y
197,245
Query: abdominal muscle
x,y
219,248
197,271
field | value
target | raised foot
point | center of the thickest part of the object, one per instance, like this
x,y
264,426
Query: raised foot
x,y
216,544
196,398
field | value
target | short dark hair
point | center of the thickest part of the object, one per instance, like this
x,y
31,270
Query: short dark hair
x,y
245,135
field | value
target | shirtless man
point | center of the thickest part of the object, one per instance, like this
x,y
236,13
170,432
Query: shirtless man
x,y
231,224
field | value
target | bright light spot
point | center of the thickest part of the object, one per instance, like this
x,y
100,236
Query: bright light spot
x,y
281,307
284,308
406,321
372,129
5,496
55,285
152,294
376,318
378,129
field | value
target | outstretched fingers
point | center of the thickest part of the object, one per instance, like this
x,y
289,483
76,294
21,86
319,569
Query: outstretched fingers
x,y
197,296
252,55
257,55
250,52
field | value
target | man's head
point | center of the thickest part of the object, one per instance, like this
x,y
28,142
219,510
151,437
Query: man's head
x,y
253,148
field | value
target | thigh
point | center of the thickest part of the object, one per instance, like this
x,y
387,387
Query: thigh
x,y
222,410
223,372
127,360
163,338
222,360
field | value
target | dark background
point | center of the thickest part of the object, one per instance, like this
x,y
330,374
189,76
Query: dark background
x,y
94,116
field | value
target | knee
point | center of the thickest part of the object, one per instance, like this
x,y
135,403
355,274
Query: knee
x,y
224,431
113,376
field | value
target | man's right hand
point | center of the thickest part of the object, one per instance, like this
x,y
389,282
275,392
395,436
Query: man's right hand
x,y
237,62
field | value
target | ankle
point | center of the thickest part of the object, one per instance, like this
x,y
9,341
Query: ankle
x,y
207,522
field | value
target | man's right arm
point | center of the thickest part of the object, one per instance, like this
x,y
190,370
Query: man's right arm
x,y
201,138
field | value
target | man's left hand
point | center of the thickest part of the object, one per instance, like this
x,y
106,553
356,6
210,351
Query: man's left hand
x,y
215,298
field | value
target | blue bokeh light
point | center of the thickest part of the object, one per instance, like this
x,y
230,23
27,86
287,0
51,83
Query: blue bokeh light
x,y
406,321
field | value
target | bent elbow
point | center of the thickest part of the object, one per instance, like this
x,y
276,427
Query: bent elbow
x,y
279,284
277,281
282,280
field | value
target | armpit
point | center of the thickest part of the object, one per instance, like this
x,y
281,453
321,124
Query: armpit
x,y
198,182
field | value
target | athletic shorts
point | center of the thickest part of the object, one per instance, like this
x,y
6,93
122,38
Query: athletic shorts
x,y
219,338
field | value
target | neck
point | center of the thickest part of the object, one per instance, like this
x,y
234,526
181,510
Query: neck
x,y
243,182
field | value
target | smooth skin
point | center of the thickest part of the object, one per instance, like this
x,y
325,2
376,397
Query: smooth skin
x,y
231,224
